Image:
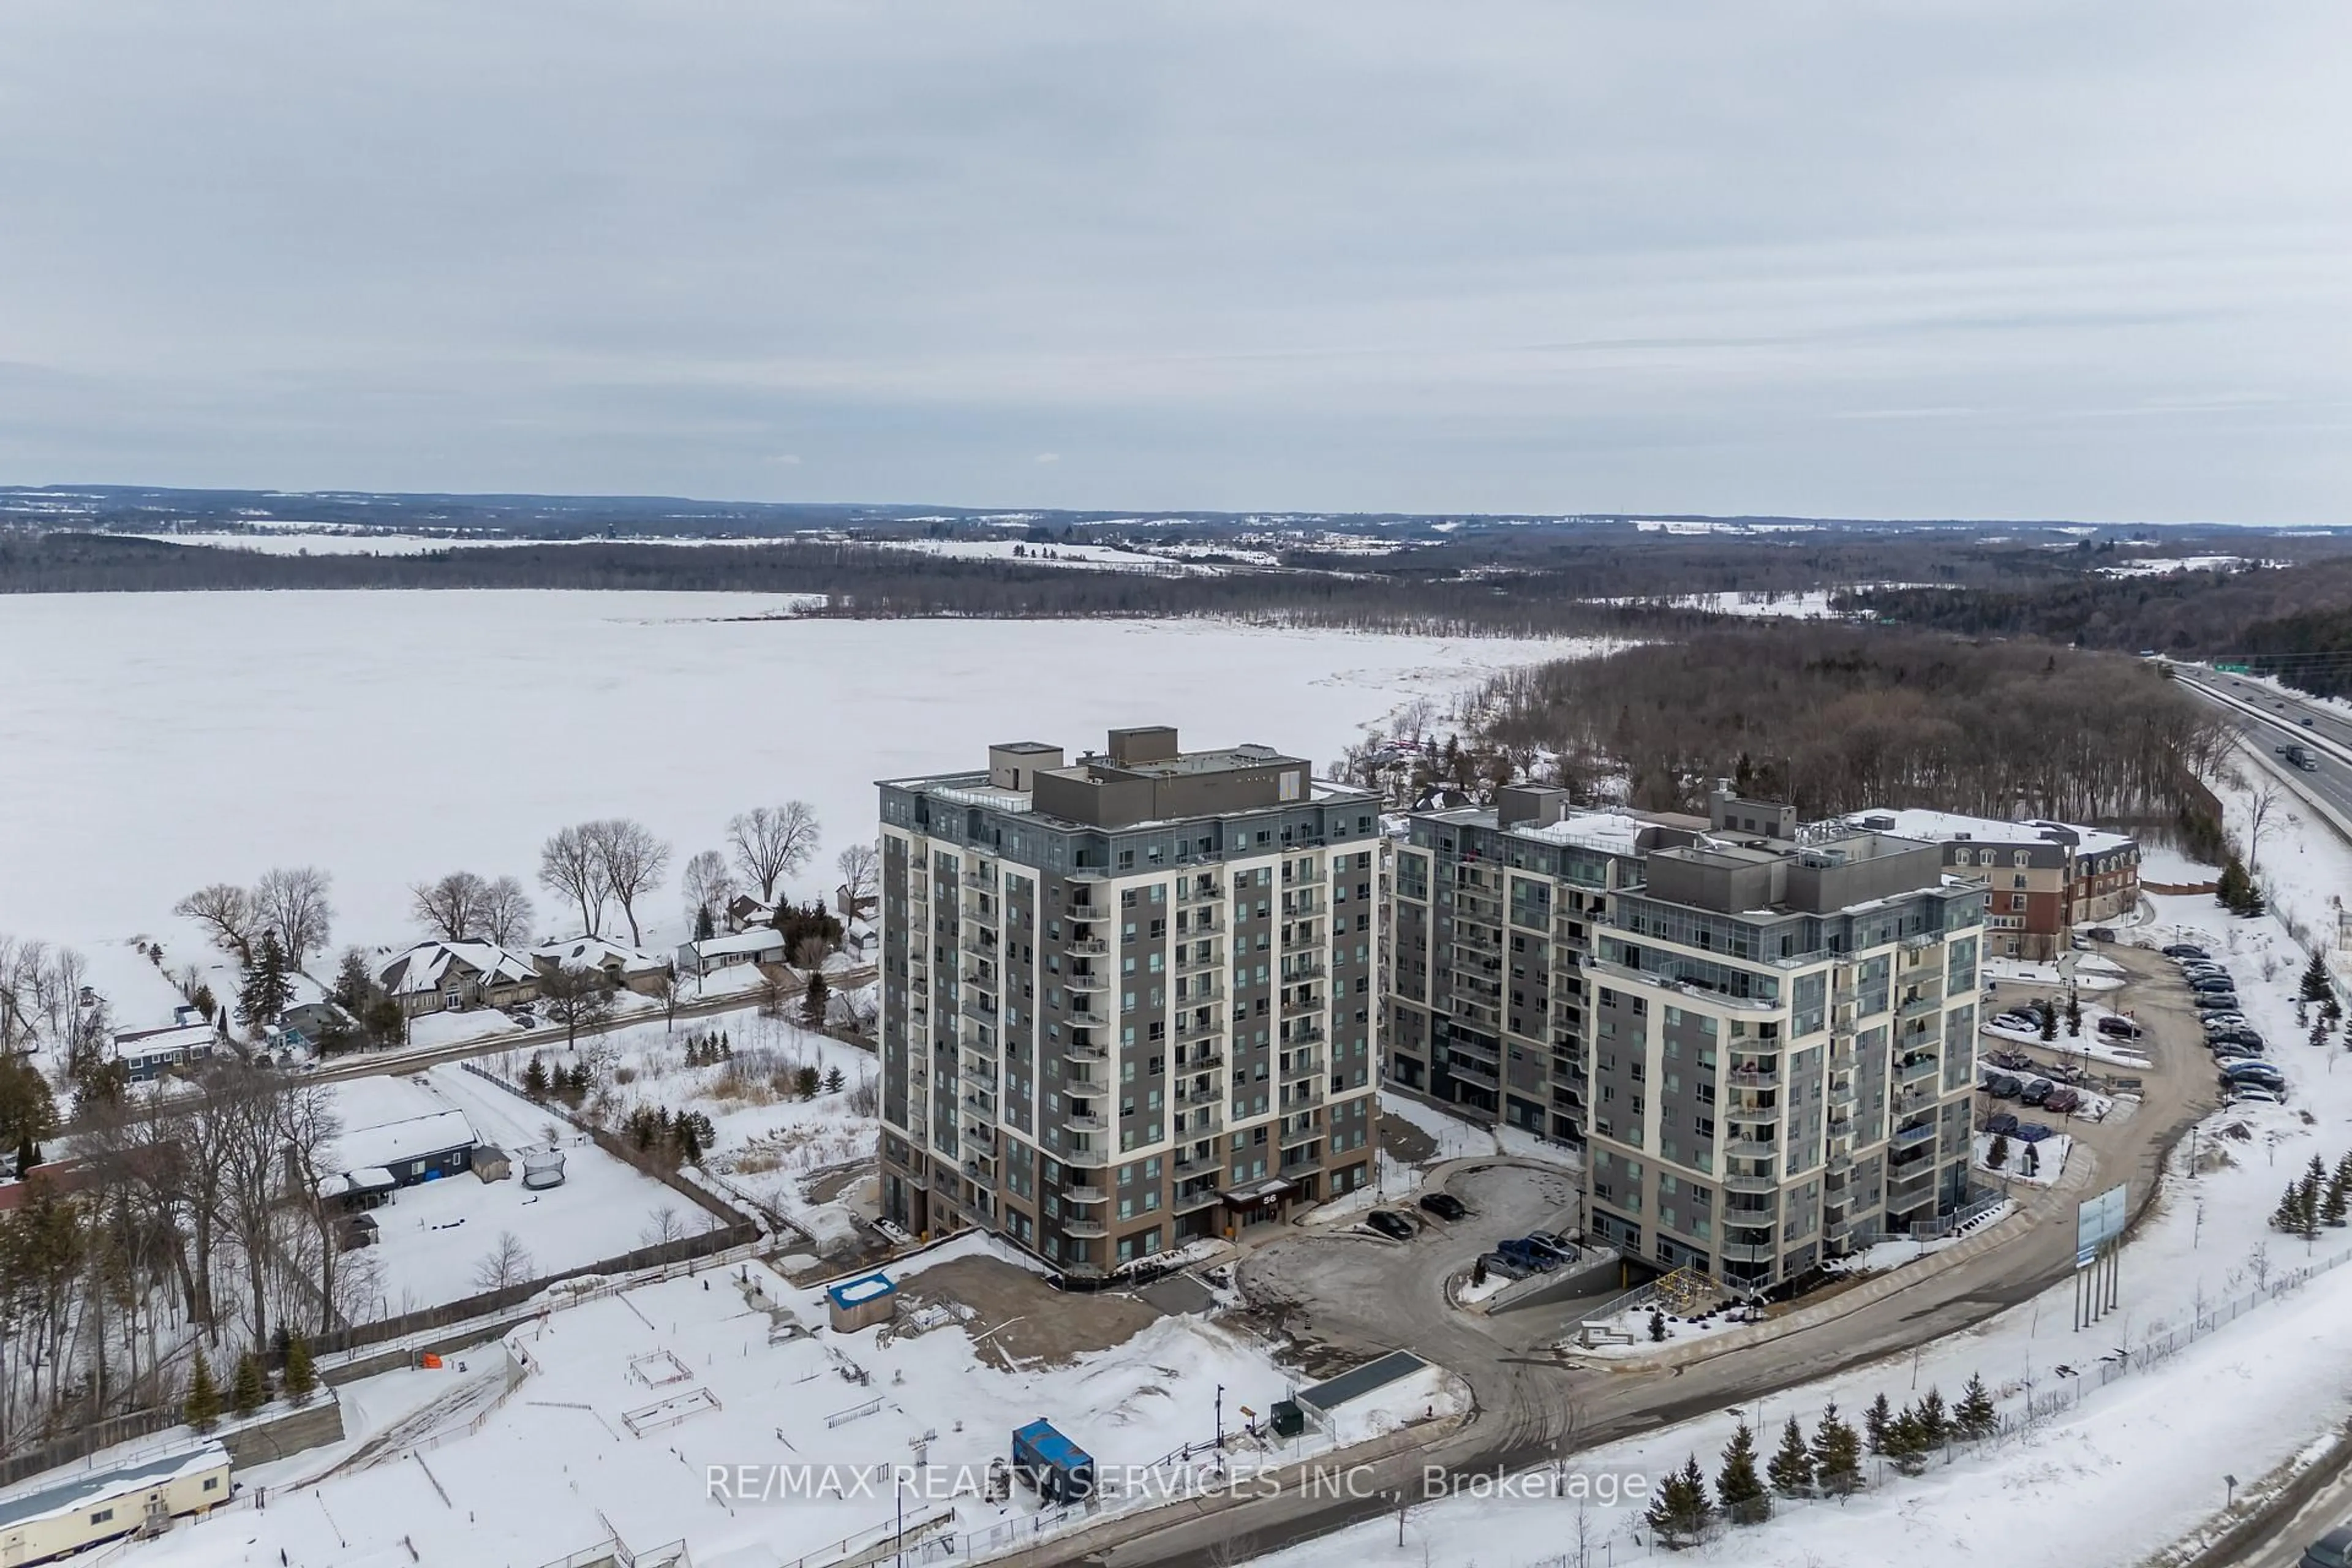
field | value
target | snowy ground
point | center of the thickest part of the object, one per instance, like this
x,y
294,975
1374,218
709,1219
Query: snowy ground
x,y
2047,1163
558,1461
135,773
770,1142
435,1236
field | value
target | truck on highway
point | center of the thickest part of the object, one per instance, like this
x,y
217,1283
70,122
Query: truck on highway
x,y
2301,757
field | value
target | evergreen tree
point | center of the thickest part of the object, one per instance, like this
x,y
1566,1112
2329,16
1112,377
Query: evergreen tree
x,y
1907,1441
2315,986
2049,1019
2288,1215
2307,1195
1877,1423
705,928
355,986
301,1374
1974,1418
200,1407
204,1001
2229,892
806,1082
2074,1016
1681,1511
1791,1467
28,1154
814,999
1935,1420
834,1080
266,988
2318,1036
1741,1490
1837,1454
250,1390
534,1076
1657,1326
2333,1200
1997,1157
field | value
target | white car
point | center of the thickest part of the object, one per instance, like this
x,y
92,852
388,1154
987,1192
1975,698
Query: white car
x,y
2254,1094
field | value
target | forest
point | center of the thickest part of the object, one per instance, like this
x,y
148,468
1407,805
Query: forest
x,y
1836,719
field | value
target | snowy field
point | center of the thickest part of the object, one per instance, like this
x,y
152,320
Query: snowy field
x,y
152,742
632,1401
1799,605
435,1236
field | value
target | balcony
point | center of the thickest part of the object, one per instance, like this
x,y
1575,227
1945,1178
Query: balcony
x,y
1083,1228
1186,963
1754,1077
1912,1137
1919,1007
1198,1124
981,1010
1297,969
1203,1059
1202,922
1201,1094
1302,1097
1734,1252
1189,1198
1750,1184
1087,1019
1078,1121
1194,1163
1916,1070
1086,1054
1197,1028
1088,982
1752,1149
1086,947
1303,1035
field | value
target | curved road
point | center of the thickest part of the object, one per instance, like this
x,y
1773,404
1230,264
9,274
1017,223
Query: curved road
x,y
1358,1294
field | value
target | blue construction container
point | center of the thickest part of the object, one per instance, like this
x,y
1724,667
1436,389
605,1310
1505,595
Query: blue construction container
x,y
1058,1469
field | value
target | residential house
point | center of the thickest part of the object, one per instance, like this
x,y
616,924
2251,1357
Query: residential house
x,y
744,911
758,945
628,968
452,976
2042,879
146,1054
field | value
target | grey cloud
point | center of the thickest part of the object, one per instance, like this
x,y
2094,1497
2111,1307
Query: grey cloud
x,y
1379,255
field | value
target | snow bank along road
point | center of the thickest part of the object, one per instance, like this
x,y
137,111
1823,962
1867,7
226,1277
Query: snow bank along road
x,y
1532,1407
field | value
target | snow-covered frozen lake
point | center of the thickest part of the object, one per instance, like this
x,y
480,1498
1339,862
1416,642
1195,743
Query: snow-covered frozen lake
x,y
150,744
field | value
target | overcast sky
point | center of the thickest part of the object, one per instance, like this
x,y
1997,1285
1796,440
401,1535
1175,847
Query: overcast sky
x,y
1918,257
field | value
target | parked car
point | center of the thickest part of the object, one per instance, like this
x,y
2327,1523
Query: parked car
x,y
2213,1021
1390,1224
2236,1076
2248,1039
2119,1028
2015,1061
2001,1085
1497,1264
2001,1121
2236,1054
2333,1550
1556,1244
1446,1205
2179,950
2031,1132
2014,1021
2035,1090
2217,1001
2103,933
2255,1094
2064,1101
2217,981
1527,1254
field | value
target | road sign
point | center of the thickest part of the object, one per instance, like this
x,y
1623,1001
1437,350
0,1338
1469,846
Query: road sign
x,y
2097,1221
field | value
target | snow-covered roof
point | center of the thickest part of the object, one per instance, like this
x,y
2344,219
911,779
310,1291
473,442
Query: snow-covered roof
x,y
1611,830
83,1491
137,1045
759,938
1947,826
421,969
398,1143
597,953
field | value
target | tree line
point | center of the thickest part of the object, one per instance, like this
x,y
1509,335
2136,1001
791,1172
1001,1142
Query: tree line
x,y
1837,719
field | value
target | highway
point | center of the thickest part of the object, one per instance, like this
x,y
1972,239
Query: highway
x,y
2278,721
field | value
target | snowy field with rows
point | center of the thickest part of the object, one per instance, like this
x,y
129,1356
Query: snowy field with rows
x,y
152,742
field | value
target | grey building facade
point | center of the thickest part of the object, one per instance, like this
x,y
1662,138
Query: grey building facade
x,y
1762,1035
1130,1001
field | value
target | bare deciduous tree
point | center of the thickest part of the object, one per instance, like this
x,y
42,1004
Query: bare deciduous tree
x,y
708,882
572,865
861,872
292,901
771,842
577,997
506,911
2263,798
307,1126
663,1228
506,1263
450,907
633,861
226,913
